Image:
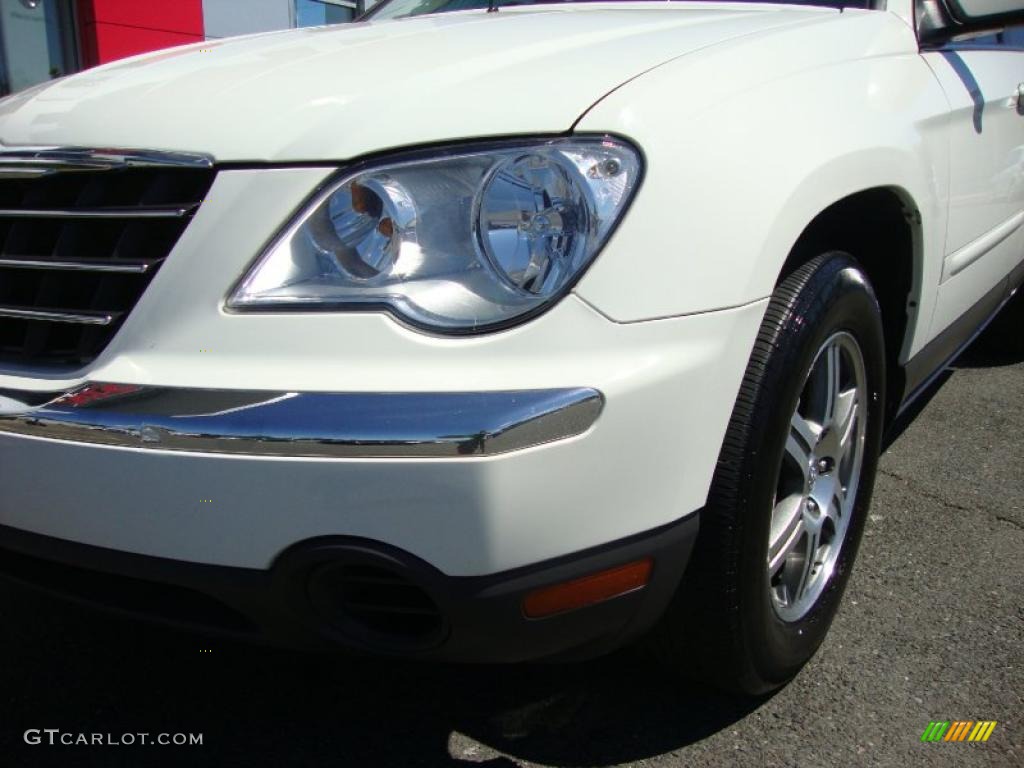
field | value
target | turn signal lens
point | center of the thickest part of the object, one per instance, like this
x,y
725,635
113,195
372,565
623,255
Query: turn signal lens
x,y
589,590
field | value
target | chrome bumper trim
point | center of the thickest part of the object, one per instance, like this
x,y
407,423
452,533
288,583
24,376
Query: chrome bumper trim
x,y
303,424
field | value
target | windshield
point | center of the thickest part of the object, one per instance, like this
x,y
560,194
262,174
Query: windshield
x,y
397,9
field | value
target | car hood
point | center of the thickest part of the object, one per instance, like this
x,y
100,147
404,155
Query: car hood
x,y
334,93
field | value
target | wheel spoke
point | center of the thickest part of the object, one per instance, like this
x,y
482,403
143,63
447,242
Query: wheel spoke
x,y
807,431
786,529
801,456
803,435
847,408
812,542
837,509
832,361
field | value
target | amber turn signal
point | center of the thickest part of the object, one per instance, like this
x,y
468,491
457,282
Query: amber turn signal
x,y
589,590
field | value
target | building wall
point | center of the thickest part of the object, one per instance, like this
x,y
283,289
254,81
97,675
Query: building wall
x,y
43,39
113,29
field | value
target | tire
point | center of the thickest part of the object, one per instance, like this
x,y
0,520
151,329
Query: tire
x,y
733,623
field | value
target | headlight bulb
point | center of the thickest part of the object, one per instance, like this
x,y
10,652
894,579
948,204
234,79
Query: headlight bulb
x,y
532,222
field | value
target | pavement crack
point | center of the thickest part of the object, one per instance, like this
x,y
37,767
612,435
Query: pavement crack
x,y
1015,523
924,492
917,488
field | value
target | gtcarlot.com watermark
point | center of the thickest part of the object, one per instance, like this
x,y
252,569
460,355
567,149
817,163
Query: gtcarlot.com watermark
x,y
56,737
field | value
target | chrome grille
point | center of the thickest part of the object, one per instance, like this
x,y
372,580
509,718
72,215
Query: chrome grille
x,y
81,239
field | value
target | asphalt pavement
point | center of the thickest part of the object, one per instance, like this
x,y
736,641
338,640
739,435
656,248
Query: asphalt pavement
x,y
932,628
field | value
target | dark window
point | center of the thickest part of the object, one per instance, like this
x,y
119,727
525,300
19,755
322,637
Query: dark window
x,y
395,9
36,42
315,13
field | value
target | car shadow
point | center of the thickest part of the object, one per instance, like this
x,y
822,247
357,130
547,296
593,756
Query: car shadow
x,y
614,710
88,672
990,356
1000,344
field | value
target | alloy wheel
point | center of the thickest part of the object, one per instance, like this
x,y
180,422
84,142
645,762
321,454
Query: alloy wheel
x,y
818,478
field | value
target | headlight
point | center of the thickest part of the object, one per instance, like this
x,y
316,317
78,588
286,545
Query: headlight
x,y
463,241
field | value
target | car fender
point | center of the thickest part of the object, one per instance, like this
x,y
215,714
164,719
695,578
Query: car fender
x,y
764,136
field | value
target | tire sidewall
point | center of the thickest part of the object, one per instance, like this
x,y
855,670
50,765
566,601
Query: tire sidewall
x,y
835,298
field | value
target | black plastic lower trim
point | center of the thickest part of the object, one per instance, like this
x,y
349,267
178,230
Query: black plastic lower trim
x,y
479,619
922,369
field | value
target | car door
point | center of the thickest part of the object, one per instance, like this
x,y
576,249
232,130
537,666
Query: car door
x,y
983,78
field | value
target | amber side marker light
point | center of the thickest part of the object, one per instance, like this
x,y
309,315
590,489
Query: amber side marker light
x,y
589,590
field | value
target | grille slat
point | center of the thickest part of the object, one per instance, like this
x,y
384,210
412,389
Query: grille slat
x,y
141,212
83,318
82,265
78,249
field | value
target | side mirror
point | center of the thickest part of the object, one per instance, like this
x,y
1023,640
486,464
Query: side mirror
x,y
940,20
973,14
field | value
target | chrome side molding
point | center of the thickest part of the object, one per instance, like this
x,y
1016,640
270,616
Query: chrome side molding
x,y
304,424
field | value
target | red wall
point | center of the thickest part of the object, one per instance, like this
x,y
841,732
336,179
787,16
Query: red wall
x,y
113,29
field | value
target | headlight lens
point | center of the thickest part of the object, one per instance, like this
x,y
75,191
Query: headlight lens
x,y
461,242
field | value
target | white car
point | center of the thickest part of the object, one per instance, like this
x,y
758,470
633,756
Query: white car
x,y
498,333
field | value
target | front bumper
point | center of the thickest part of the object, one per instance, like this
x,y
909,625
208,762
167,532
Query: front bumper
x,y
429,616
